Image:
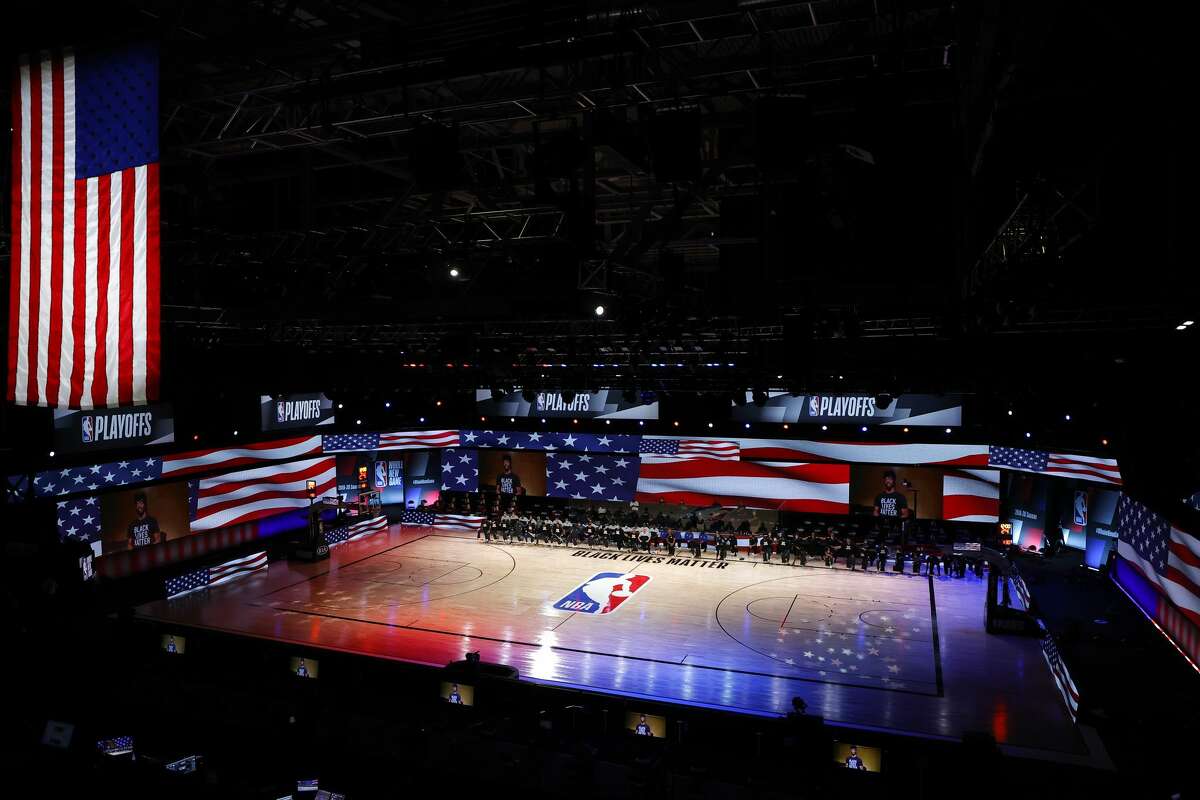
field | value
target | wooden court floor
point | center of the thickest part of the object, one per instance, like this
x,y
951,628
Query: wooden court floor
x,y
898,652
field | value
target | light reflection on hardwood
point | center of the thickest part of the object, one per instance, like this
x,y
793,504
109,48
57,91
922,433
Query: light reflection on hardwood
x,y
859,648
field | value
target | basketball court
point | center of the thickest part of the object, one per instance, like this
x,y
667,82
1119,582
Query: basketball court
x,y
896,652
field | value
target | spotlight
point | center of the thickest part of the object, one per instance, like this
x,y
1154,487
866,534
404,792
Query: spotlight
x,y
543,420
676,423
481,419
512,419
438,404
1181,327
574,422
1010,412
785,426
641,422
340,406
1189,323
1067,417
906,430
864,428
1102,441
422,419
358,422
841,377
454,272
52,454
608,422
1028,434
387,404
599,311
235,433
947,430
824,427
747,425
710,424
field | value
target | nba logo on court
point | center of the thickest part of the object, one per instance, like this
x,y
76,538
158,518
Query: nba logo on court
x,y
603,593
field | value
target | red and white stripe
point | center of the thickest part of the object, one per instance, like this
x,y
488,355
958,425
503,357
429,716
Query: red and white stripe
x,y
458,522
1088,468
238,568
1181,582
961,455
84,299
417,440
255,493
226,457
1183,632
821,488
1062,679
971,495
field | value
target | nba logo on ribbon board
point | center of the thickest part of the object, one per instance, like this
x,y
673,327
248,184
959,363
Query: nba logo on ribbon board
x,y
603,593
85,428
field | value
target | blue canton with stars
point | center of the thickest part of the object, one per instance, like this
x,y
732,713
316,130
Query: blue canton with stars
x,y
349,442
75,480
460,470
1147,532
586,476
550,441
79,519
1018,458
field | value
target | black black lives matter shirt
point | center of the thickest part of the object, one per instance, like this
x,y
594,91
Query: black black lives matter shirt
x,y
508,483
890,504
142,531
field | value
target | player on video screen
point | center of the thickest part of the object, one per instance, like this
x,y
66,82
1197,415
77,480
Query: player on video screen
x,y
889,502
642,729
853,761
301,668
454,697
144,530
508,482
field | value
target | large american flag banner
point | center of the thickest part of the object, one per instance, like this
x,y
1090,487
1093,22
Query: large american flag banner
x,y
215,576
1166,556
675,447
255,493
961,455
398,440
971,495
591,476
819,488
78,480
84,287
1059,465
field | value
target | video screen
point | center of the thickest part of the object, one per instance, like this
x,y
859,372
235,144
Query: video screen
x,y
649,725
512,472
457,694
87,567
143,517
303,667
1025,499
423,477
857,757
368,471
896,492
306,786
174,644
118,746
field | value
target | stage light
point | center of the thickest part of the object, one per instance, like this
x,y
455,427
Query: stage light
x,y
641,422
710,424
438,404
574,422
1102,441
358,422
747,425
387,404
1181,327
1028,434
1010,412
947,430
340,406
785,426
512,419
195,437
864,428
841,377
778,377
235,433
676,423
1067,417
52,454
1189,323
599,311
906,430
543,420
824,427
481,419
454,272
608,422
422,419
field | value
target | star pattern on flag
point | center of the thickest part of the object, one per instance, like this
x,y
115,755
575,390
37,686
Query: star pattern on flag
x,y
76,480
79,519
349,442
460,470
1018,458
551,441
1148,533
187,582
591,475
